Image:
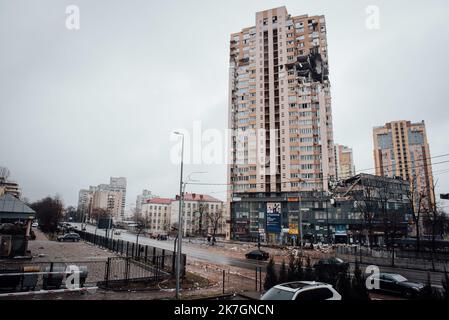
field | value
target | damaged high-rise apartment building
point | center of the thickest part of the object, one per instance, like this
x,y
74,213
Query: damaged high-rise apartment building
x,y
280,117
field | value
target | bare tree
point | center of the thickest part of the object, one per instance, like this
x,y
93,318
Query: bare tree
x,y
433,217
435,222
214,220
390,217
99,213
49,212
365,205
417,200
200,219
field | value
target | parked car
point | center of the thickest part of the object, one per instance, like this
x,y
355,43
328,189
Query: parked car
x,y
257,255
35,225
395,283
117,232
332,265
302,291
69,237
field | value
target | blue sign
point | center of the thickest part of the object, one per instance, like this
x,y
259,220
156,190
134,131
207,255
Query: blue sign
x,y
274,218
340,230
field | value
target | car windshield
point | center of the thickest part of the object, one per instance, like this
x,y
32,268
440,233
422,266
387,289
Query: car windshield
x,y
278,294
398,278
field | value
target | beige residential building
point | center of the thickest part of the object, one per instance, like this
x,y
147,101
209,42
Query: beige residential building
x,y
143,198
280,113
401,149
344,162
110,201
10,187
280,121
157,213
118,184
201,213
108,197
85,197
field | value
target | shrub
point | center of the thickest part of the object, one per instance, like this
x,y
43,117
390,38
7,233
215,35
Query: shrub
x,y
291,272
309,275
445,283
359,290
299,271
283,273
270,277
343,285
428,292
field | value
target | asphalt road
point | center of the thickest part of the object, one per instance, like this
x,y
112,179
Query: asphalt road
x,y
191,250
195,253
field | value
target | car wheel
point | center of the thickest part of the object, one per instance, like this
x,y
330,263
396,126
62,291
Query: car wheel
x,y
409,294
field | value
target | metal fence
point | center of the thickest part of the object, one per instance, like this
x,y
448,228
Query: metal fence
x,y
164,259
229,282
30,276
397,258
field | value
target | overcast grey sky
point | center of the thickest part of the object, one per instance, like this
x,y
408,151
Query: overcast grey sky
x,y
77,107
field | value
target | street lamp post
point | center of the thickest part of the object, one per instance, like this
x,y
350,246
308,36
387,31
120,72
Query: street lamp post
x,y
300,223
327,224
178,253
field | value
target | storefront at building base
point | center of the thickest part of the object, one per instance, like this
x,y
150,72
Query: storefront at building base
x,y
273,218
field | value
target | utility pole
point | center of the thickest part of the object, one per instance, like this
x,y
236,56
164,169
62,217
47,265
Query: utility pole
x,y
327,221
178,253
300,222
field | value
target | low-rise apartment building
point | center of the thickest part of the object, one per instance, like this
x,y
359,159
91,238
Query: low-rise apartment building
x,y
107,199
156,214
203,215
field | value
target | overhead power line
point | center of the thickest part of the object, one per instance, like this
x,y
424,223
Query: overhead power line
x,y
326,178
409,161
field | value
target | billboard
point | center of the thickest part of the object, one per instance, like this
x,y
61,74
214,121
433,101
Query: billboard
x,y
293,228
274,217
104,223
340,230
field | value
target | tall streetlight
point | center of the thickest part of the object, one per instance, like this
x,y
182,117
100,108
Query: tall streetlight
x,y
178,253
300,209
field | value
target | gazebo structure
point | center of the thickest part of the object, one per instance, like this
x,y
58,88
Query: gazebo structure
x,y
15,226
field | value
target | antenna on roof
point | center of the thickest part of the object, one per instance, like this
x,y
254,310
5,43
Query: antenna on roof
x,y
4,173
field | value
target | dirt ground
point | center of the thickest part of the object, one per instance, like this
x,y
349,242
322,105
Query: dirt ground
x,y
44,250
203,280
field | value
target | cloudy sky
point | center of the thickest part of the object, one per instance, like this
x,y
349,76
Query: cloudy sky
x,y
79,106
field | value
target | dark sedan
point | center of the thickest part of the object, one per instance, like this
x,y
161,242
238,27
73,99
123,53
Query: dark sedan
x,y
395,283
333,265
257,255
74,237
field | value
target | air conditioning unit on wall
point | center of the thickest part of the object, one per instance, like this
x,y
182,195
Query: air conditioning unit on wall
x,y
5,245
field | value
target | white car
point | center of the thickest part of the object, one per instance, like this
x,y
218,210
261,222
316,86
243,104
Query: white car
x,y
35,225
302,291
